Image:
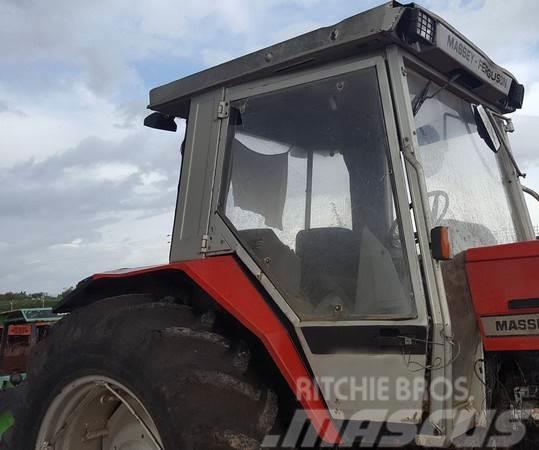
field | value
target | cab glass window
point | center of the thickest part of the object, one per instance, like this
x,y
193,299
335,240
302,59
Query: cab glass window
x,y
466,189
309,194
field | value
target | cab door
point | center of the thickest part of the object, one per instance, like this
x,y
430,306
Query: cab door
x,y
310,193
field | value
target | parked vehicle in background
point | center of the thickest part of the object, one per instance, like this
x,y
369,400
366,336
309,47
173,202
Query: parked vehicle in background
x,y
20,330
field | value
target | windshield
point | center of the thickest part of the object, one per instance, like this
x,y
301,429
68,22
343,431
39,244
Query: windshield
x,y
465,186
310,195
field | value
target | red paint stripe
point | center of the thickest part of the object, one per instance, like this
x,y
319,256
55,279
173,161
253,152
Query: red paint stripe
x,y
224,280
511,343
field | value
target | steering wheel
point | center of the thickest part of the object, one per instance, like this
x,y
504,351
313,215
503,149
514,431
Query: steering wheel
x,y
437,214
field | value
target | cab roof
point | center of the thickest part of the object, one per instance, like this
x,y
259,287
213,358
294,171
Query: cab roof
x,y
449,52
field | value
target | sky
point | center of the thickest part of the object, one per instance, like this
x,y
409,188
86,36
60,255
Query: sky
x,y
84,187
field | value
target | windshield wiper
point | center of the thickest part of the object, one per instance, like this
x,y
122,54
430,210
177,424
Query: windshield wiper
x,y
424,94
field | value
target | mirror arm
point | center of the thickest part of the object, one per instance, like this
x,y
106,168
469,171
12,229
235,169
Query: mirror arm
x,y
531,192
503,138
514,162
508,127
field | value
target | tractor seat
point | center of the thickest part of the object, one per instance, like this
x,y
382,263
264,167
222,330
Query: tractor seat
x,y
329,263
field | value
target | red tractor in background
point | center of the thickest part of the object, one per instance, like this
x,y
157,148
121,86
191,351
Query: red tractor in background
x,y
20,330
351,252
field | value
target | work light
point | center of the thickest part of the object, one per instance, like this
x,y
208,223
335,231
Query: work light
x,y
420,26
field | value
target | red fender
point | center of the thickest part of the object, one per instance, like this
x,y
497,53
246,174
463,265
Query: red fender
x,y
225,281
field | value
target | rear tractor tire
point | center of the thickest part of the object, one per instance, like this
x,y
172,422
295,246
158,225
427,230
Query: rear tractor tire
x,y
126,373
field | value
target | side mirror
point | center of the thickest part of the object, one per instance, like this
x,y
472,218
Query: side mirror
x,y
485,128
160,122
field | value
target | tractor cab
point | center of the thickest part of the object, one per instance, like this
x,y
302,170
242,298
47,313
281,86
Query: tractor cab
x,y
20,330
351,170
351,248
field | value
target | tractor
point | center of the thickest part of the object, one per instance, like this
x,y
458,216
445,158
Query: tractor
x,y
352,262
20,330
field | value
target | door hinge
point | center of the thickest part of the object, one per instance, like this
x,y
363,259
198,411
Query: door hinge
x,y
223,109
205,245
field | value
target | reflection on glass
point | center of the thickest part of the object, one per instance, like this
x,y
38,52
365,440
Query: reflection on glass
x,y
310,196
465,187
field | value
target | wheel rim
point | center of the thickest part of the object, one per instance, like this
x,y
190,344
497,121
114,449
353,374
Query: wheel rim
x,y
97,413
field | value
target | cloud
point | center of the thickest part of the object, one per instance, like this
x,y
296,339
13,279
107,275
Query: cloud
x,y
95,177
524,140
5,109
213,57
80,69
503,29
59,212
84,187
57,120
